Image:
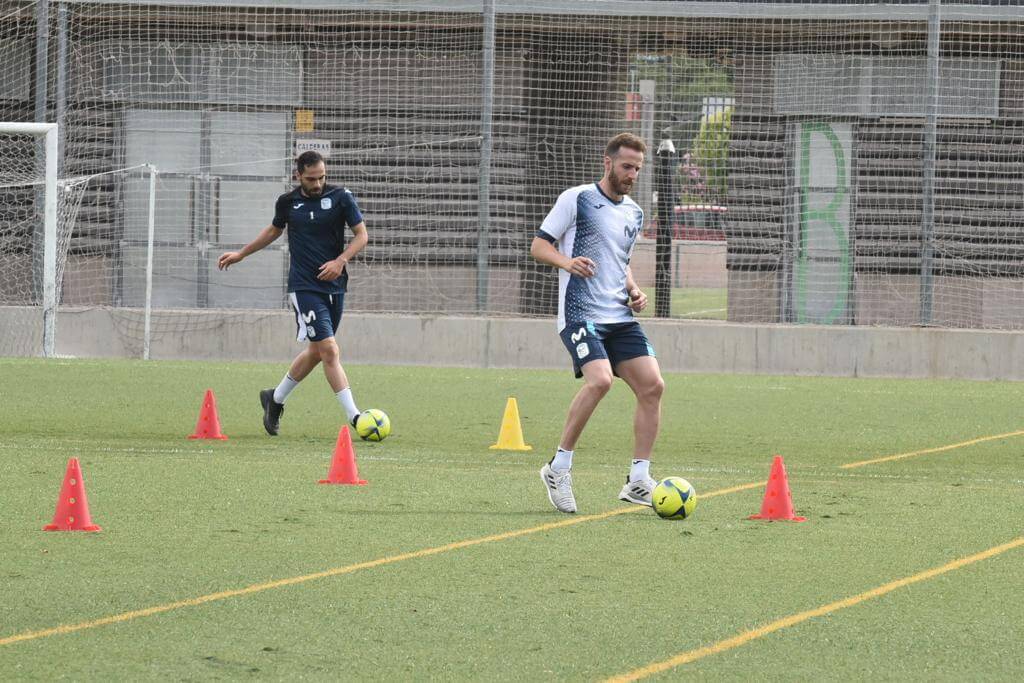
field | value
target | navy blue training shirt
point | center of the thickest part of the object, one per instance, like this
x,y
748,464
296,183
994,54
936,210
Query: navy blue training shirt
x,y
316,235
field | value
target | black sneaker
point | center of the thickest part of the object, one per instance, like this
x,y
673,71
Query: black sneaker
x,y
354,420
271,411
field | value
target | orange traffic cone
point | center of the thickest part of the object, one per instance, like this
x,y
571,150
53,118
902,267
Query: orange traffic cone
x,y
208,425
72,507
778,501
343,467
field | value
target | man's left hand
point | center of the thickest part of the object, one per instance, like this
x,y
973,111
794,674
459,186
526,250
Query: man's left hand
x,y
637,299
331,270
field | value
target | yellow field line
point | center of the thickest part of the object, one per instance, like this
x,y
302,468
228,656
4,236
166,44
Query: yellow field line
x,y
426,552
939,449
337,571
734,489
792,620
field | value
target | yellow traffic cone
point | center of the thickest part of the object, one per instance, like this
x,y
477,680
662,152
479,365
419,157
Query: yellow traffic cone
x,y
511,436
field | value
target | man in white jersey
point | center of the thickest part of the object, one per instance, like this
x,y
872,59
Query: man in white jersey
x,y
594,227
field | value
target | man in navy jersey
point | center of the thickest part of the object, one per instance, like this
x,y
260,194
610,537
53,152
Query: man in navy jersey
x,y
315,215
594,227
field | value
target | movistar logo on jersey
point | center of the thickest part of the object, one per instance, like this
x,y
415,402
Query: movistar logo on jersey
x,y
630,233
309,317
576,336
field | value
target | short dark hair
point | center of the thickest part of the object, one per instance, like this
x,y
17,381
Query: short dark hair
x,y
625,140
307,159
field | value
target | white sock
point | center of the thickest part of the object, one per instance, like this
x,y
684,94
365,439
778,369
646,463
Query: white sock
x,y
284,388
641,469
347,402
562,459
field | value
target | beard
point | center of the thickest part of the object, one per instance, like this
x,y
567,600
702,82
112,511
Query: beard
x,y
620,185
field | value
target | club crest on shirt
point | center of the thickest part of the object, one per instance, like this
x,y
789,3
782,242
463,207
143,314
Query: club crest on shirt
x,y
325,203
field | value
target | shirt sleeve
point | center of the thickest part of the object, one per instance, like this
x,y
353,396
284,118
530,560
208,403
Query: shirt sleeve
x,y
561,217
281,213
353,216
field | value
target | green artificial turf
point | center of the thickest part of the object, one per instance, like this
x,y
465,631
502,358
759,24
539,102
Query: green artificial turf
x,y
185,523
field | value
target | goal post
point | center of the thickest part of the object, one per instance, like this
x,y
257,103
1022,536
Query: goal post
x,y
147,325
48,133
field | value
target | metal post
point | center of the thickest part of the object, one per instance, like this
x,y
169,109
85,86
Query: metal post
x,y
149,261
50,246
203,229
647,184
928,163
42,57
61,93
41,70
665,166
486,149
785,282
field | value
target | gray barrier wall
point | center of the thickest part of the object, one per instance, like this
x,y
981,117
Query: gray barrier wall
x,y
682,346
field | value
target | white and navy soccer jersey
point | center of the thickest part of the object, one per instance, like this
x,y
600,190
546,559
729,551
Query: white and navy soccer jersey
x,y
316,235
585,222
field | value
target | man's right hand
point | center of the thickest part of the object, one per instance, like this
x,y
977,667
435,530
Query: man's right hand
x,y
228,258
582,267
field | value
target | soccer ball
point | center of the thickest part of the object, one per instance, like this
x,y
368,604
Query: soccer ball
x,y
674,498
373,425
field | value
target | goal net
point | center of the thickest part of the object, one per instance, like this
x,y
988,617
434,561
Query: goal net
x,y
833,163
28,237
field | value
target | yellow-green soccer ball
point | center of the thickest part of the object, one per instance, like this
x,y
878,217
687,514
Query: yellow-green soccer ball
x,y
373,425
674,498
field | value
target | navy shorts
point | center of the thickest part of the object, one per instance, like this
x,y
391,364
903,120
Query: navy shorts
x,y
615,341
317,315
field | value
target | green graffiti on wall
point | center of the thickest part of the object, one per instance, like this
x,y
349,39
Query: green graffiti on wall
x,y
831,216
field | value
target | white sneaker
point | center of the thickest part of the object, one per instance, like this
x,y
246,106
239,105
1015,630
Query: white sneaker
x,y
638,492
559,486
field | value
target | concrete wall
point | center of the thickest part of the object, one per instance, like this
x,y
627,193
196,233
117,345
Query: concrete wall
x,y
682,346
